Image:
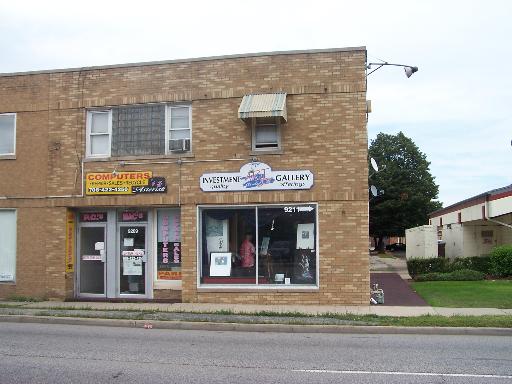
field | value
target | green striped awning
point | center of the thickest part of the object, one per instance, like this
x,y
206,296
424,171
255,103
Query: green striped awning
x,y
263,105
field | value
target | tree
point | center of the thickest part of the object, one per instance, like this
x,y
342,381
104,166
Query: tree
x,y
409,188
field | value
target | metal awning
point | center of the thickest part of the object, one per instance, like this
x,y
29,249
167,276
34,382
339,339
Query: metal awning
x,y
263,105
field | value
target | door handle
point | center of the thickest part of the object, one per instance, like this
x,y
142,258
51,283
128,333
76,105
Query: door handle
x,y
145,258
102,254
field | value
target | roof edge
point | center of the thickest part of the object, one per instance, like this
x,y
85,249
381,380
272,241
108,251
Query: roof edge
x,y
176,61
467,202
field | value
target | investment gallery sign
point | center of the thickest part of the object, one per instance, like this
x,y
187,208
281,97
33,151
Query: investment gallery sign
x,y
256,176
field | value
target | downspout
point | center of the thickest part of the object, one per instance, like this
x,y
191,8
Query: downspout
x,y
486,214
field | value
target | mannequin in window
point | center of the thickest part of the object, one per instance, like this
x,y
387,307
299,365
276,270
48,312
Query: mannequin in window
x,y
247,252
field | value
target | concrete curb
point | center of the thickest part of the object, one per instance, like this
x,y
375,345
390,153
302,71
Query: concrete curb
x,y
243,327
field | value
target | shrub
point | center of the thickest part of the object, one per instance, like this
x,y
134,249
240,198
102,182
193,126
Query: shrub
x,y
459,275
433,276
466,275
476,263
481,263
417,267
501,260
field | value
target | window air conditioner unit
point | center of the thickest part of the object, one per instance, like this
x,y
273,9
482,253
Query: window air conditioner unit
x,y
180,145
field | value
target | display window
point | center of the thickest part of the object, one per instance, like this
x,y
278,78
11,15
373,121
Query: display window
x,y
259,245
168,266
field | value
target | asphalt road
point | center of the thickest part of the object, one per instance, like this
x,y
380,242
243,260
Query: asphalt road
x,y
39,353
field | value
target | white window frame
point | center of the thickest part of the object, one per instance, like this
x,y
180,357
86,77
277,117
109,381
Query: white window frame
x,y
14,138
168,129
89,133
15,246
244,287
268,149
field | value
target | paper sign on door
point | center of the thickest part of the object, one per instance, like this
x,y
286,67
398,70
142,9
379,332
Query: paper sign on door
x,y
132,266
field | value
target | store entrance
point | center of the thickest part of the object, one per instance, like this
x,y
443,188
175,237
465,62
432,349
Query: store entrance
x,y
113,254
92,260
133,259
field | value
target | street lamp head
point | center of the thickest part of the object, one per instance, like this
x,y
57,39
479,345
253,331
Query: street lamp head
x,y
410,70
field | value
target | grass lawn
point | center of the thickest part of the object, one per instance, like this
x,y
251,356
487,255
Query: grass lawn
x,y
469,294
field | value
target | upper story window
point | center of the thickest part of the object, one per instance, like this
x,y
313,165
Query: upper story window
x,y
99,130
139,130
7,134
179,131
266,134
264,113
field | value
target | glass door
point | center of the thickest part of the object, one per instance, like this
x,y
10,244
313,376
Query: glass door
x,y
92,260
132,259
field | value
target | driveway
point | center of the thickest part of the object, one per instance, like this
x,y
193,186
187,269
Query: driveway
x,y
397,292
390,273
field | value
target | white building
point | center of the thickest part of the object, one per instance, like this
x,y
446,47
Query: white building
x,y
421,242
474,226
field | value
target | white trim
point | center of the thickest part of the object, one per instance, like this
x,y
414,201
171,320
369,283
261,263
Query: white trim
x,y
255,286
168,128
14,136
13,281
89,134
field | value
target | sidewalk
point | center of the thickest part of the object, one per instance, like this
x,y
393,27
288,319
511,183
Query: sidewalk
x,y
392,263
260,318
398,311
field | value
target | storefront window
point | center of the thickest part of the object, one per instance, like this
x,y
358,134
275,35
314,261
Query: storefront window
x,y
287,244
228,244
168,244
259,245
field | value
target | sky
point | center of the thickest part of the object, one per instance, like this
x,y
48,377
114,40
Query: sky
x,y
456,108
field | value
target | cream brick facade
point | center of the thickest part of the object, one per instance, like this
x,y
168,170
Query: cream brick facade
x,y
325,133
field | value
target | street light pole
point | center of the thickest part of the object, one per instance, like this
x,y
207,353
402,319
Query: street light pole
x,y
409,69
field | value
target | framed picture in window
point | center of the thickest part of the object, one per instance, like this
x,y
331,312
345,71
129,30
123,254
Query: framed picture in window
x,y
220,264
306,236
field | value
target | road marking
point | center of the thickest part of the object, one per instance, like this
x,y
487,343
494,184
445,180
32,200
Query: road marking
x,y
404,373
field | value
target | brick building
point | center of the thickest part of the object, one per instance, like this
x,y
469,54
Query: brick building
x,y
238,179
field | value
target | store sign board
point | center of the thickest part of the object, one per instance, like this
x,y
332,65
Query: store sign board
x,y
123,183
133,216
256,176
93,217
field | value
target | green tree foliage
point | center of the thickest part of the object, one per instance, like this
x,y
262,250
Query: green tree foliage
x,y
409,188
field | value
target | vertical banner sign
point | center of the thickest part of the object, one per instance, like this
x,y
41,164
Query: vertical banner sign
x,y
70,241
169,247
